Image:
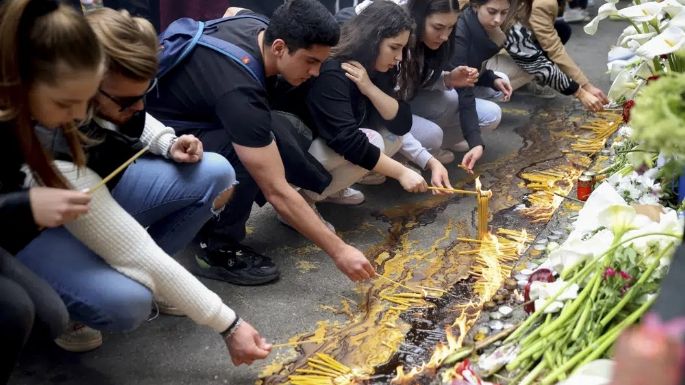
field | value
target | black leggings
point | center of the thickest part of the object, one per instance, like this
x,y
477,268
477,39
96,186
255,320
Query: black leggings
x,y
563,30
25,300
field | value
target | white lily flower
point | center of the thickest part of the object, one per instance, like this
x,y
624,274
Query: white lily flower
x,y
678,21
615,67
672,7
640,39
603,12
618,218
668,224
668,41
636,64
603,196
565,258
576,249
629,30
625,85
645,70
641,13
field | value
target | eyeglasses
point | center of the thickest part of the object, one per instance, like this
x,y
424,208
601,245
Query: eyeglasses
x,y
125,102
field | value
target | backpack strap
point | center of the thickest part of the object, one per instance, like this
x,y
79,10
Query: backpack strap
x,y
239,55
214,22
173,39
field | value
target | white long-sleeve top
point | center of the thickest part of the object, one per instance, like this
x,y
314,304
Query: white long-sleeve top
x,y
123,243
115,236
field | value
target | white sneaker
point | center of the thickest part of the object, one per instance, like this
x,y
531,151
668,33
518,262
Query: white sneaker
x,y
346,196
79,338
462,146
313,206
576,15
372,178
444,156
543,92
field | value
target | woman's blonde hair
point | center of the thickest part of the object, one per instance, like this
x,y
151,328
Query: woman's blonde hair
x,y
42,41
130,43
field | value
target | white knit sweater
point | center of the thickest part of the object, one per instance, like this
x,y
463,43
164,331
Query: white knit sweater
x,y
124,244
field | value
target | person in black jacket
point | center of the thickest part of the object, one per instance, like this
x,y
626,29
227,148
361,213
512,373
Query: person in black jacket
x,y
356,110
441,95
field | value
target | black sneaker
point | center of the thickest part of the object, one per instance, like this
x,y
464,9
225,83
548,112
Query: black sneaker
x,y
239,265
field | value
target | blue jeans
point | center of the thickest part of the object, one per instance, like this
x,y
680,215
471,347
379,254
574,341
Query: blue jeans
x,y
173,200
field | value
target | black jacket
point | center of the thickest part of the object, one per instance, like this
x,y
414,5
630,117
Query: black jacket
x,y
472,47
17,227
336,109
106,149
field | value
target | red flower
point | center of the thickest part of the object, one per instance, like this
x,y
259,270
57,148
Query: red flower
x,y
625,275
627,106
609,272
653,78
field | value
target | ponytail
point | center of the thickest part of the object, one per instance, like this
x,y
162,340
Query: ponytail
x,y
40,40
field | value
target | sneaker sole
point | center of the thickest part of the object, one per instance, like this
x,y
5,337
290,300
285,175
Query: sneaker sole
x,y
202,269
81,347
343,202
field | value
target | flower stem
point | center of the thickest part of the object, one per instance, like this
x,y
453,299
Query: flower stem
x,y
631,293
569,310
530,378
616,331
598,347
581,322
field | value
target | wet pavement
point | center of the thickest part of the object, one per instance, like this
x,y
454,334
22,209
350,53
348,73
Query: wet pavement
x,y
403,233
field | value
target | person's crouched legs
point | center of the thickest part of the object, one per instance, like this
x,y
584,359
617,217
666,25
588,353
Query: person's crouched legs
x,y
95,294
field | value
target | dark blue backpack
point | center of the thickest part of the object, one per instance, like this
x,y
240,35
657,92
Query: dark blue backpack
x,y
183,35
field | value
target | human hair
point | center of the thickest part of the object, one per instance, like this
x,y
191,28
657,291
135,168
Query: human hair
x,y
130,43
361,37
428,60
516,8
42,41
302,24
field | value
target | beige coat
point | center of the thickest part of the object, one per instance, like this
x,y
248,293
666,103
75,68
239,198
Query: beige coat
x,y
541,24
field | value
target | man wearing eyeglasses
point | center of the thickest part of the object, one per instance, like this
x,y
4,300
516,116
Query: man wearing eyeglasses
x,y
173,191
